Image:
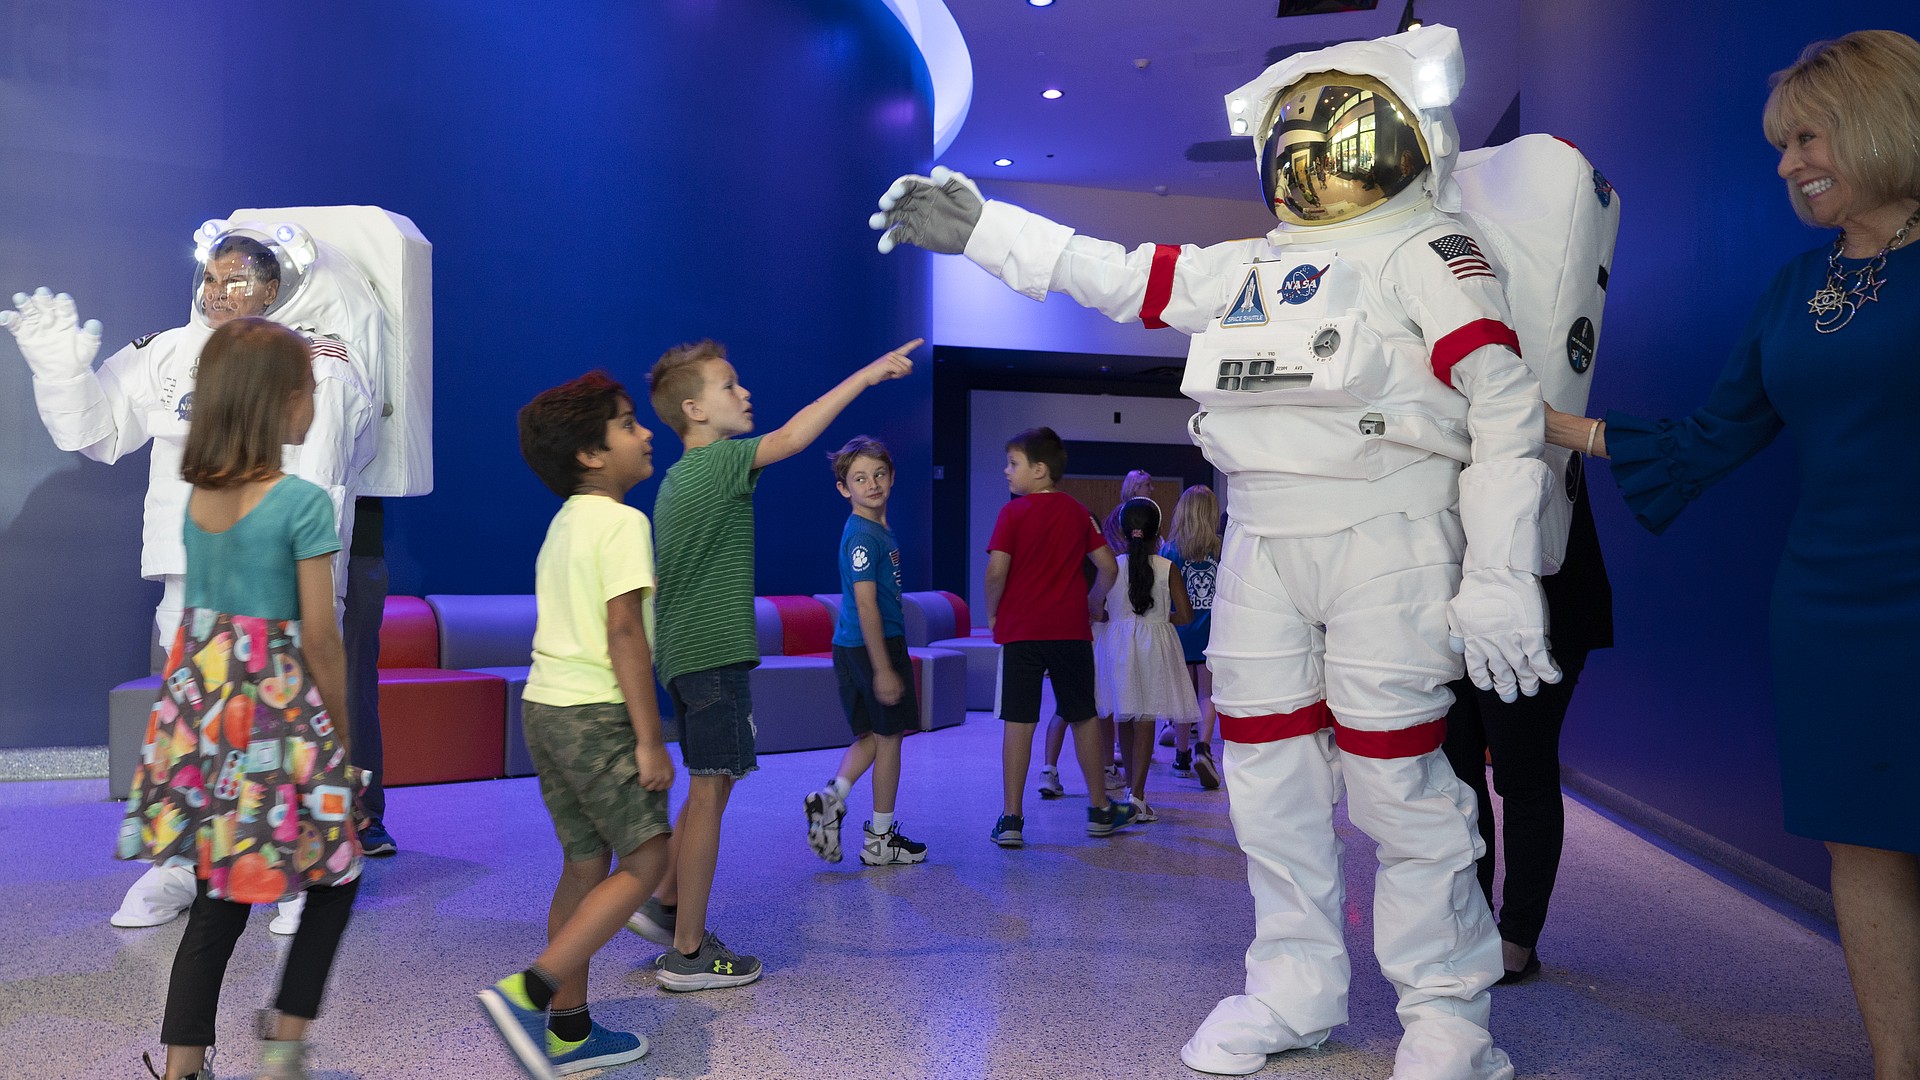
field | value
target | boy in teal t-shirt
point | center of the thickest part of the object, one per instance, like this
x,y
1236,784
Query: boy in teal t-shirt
x,y
705,642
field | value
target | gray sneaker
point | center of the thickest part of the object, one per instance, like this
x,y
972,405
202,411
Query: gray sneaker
x,y
713,967
653,922
283,1060
1106,820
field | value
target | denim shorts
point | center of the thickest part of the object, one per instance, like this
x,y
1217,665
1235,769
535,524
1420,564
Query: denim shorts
x,y
715,709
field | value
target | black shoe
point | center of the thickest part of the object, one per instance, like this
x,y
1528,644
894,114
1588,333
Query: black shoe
x,y
1528,971
1204,768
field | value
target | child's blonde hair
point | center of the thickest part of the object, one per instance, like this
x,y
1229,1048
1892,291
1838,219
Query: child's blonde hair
x,y
678,376
249,373
1195,535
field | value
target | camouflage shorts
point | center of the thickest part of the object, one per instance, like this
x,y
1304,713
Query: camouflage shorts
x,y
589,779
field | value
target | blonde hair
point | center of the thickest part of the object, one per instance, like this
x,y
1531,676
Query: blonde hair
x,y
678,376
1863,91
250,370
1136,485
1195,534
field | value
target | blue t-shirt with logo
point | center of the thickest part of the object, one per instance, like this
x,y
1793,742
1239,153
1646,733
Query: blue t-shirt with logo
x,y
868,552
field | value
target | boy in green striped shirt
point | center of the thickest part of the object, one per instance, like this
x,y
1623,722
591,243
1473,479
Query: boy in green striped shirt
x,y
704,642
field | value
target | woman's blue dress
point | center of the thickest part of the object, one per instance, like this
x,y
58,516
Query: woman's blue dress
x,y
1846,599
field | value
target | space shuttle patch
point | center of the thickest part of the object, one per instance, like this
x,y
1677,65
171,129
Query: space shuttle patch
x,y
1248,307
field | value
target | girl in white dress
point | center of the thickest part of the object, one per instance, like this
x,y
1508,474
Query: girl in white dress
x,y
1141,672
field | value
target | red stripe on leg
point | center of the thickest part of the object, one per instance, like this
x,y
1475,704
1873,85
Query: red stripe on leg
x,y
1159,286
1407,742
1272,727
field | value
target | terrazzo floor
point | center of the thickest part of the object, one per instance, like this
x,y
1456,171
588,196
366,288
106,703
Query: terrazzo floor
x,y
1073,958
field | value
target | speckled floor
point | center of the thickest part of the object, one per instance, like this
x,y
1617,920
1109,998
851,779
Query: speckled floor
x,y
1073,958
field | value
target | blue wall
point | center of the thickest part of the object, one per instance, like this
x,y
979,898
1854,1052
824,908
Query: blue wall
x,y
1667,102
600,181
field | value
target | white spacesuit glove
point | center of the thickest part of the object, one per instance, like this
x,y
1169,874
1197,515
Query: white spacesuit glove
x,y
1499,618
47,329
936,212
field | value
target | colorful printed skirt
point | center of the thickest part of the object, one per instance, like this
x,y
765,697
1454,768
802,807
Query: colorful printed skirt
x,y
243,771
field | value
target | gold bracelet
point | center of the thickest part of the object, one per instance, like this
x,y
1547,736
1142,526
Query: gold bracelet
x,y
1592,432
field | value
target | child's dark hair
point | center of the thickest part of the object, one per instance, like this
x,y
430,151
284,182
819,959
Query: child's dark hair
x,y
858,447
249,372
1042,447
680,374
558,424
1140,526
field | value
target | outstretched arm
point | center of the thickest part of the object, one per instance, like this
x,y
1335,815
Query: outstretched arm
x,y
100,414
798,433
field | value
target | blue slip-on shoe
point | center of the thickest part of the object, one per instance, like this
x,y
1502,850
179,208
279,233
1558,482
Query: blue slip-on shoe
x,y
601,1049
522,1027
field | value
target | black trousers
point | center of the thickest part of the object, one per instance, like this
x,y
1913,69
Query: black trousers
x,y
360,633
213,928
1523,739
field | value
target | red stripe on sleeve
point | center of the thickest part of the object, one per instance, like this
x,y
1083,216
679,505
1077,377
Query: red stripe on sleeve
x,y
1408,742
1456,346
1159,285
1272,727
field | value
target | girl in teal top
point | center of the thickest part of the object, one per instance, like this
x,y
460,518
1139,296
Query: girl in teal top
x,y
245,768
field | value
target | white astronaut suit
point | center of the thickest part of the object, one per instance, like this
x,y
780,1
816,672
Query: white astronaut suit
x,y
1359,384
144,393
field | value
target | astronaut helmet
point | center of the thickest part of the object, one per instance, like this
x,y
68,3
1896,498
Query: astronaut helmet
x,y
1344,131
1338,145
248,269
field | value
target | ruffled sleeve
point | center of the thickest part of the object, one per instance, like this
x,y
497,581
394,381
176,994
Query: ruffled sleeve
x,y
1662,465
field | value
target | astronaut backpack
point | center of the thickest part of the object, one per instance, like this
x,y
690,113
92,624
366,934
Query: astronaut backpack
x,y
1551,219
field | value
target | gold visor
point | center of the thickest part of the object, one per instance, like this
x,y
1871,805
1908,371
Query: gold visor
x,y
1337,146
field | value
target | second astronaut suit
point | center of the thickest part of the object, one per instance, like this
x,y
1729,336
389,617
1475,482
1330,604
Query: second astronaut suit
x,y
1346,373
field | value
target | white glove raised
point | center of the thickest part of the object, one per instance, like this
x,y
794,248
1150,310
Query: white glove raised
x,y
1499,620
48,331
936,212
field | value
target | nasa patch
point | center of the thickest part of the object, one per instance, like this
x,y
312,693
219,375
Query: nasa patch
x,y
1602,188
185,409
1302,282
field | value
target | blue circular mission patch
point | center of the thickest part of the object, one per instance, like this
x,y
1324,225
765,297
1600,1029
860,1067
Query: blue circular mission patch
x,y
1301,283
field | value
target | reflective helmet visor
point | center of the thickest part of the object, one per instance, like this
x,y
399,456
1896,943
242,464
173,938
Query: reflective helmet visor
x,y
1337,146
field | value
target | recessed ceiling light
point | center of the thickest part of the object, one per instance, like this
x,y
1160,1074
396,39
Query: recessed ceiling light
x,y
1003,162
1041,3
1050,95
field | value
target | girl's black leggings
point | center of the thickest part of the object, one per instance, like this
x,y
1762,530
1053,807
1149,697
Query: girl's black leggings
x,y
213,928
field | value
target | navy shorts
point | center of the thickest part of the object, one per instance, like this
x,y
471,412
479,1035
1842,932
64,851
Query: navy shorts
x,y
715,709
1024,663
865,713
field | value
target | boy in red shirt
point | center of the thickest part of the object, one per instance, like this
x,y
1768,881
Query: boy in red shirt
x,y
1041,613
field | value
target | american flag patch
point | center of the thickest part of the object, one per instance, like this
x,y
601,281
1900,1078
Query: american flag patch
x,y
327,345
1462,255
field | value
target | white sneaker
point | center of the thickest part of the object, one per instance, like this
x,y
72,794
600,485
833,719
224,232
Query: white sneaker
x,y
161,894
1116,782
1050,783
287,920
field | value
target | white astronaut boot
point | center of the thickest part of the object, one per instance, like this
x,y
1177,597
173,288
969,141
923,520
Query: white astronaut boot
x,y
1281,796
286,921
161,894
1433,935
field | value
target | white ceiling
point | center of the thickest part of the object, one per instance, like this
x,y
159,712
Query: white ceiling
x,y
1127,127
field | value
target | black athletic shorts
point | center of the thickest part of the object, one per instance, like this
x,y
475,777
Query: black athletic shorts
x,y
1024,663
